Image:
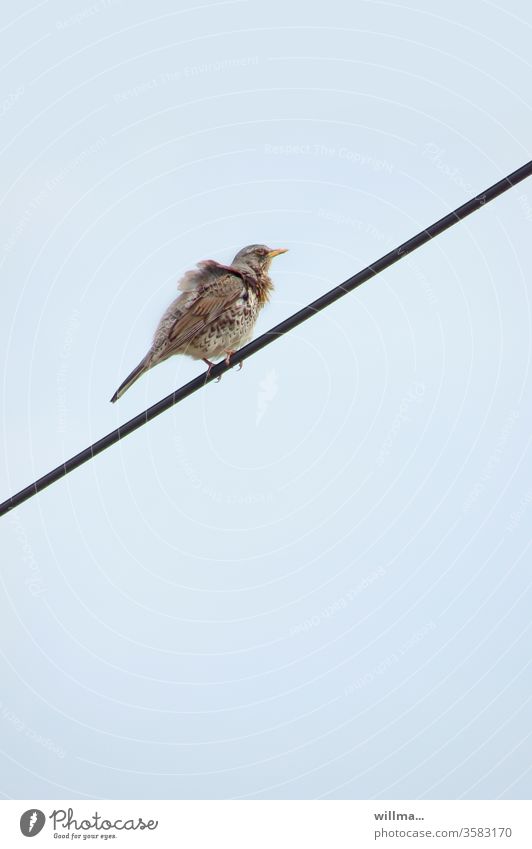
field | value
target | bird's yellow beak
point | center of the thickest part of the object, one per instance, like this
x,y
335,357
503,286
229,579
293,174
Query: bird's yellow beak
x,y
276,252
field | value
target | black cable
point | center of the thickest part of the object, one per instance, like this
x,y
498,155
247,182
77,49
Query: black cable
x,y
279,330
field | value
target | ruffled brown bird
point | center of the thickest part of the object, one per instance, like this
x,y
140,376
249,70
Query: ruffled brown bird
x,y
215,313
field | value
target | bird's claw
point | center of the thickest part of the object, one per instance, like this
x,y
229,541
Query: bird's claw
x,y
228,359
209,369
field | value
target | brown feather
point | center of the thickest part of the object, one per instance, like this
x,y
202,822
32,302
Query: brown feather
x,y
263,287
209,306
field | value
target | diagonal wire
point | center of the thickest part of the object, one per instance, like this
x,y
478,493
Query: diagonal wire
x,y
270,336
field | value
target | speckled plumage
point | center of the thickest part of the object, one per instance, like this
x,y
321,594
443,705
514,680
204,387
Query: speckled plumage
x,y
215,312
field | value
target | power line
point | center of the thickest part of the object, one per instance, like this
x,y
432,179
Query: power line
x,y
279,330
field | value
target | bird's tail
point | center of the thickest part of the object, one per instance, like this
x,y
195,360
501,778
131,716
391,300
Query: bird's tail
x,y
131,378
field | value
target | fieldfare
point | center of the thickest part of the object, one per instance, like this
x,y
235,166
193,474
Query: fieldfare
x,y
215,313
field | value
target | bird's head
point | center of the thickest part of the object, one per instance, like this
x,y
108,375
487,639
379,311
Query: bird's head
x,y
256,258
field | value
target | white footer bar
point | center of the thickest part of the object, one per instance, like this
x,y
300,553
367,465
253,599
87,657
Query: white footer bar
x,y
267,824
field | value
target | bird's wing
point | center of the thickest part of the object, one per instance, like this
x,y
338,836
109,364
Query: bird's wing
x,y
214,288
204,275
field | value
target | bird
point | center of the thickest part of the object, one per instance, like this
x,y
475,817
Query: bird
x,y
215,313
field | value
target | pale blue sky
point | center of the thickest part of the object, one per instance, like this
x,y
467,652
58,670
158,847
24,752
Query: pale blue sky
x,y
311,580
